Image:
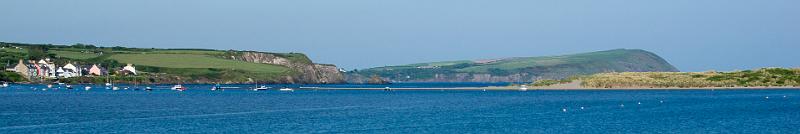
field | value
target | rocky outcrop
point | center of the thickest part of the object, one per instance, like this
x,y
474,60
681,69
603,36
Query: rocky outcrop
x,y
307,72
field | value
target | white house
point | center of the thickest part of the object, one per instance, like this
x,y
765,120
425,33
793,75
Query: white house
x,y
70,71
130,68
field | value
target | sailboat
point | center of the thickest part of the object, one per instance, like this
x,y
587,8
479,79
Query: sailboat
x,y
257,88
216,87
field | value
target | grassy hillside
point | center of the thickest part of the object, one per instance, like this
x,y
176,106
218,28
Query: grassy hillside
x,y
527,68
191,64
195,61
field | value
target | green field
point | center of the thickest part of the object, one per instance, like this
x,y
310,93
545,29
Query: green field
x,y
195,61
201,52
73,54
13,50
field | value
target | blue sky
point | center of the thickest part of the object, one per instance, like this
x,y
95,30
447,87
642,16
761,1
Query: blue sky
x,y
694,35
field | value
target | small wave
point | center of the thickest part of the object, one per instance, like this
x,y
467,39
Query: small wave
x,y
175,117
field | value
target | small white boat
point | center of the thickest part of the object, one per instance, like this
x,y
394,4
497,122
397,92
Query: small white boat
x,y
50,86
523,88
108,84
87,88
261,88
4,85
178,87
286,89
148,89
216,87
115,88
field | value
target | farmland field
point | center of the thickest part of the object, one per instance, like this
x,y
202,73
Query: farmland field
x,y
73,55
195,61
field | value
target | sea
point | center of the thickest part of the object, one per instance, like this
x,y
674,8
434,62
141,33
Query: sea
x,y
28,109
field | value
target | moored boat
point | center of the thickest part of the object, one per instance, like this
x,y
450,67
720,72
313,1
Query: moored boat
x,y
286,89
261,88
178,88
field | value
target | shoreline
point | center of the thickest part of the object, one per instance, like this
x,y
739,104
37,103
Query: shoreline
x,y
550,89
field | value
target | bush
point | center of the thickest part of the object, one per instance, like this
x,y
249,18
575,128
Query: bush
x,y
11,77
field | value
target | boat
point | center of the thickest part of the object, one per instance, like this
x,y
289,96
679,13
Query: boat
x,y
261,88
286,89
148,89
49,86
69,87
4,85
523,88
115,88
87,88
178,87
216,87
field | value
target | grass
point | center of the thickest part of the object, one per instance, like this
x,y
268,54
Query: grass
x,y
513,64
73,54
196,61
13,50
198,52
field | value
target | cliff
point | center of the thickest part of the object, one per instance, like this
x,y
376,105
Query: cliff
x,y
520,69
308,72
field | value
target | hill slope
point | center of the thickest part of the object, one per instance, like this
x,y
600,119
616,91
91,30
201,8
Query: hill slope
x,y
521,69
183,65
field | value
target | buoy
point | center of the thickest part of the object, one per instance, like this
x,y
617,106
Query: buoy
x,y
622,105
564,110
784,96
581,108
661,101
640,103
767,97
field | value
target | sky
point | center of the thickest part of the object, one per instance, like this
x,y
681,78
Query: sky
x,y
693,35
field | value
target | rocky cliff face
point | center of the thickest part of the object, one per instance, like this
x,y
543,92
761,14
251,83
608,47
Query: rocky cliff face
x,y
307,72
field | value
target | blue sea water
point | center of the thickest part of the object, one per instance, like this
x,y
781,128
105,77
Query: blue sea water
x,y
27,109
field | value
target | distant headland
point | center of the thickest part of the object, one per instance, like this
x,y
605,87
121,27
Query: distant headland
x,y
519,69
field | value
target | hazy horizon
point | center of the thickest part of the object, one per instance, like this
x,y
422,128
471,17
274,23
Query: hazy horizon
x,y
355,34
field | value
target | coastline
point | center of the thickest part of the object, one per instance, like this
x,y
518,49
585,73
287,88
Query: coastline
x,y
539,88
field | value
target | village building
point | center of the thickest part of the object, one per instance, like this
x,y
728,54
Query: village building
x,y
96,70
129,68
48,68
70,70
21,68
